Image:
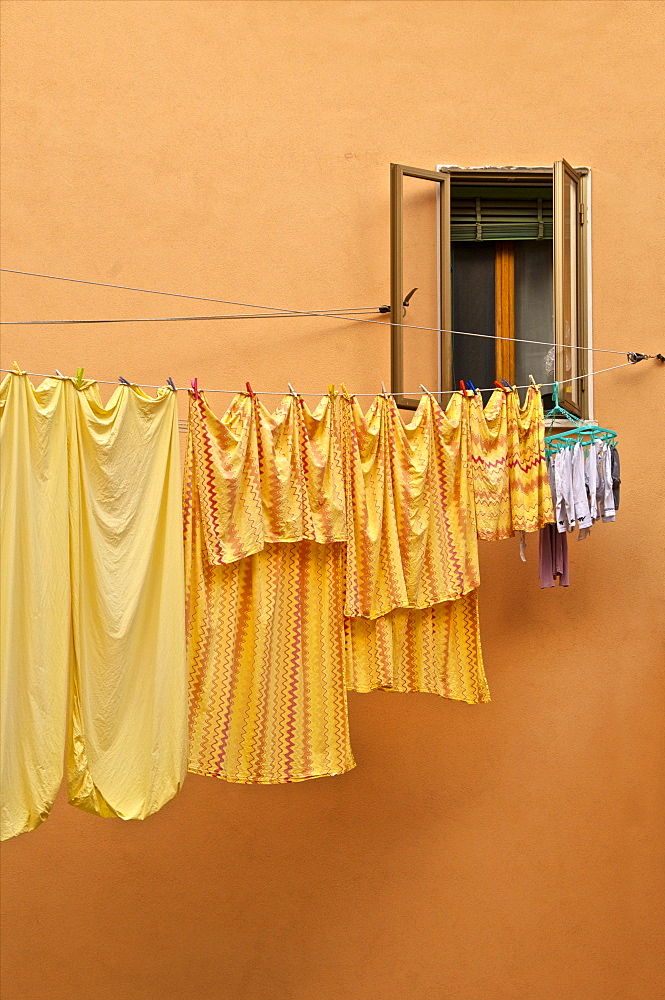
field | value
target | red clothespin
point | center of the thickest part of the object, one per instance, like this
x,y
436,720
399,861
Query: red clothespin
x,y
195,388
462,387
250,393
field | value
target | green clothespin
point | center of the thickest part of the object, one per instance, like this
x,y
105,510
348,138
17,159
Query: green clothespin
x,y
79,378
558,411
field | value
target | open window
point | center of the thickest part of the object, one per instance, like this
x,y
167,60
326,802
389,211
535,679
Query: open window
x,y
501,252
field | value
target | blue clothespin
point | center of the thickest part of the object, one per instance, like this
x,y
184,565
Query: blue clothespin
x,y
469,384
123,381
171,383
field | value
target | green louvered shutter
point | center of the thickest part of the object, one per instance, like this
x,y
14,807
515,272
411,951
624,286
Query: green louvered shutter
x,y
490,218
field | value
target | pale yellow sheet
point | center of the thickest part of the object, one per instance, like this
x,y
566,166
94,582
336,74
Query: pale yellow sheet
x,y
92,596
34,599
128,721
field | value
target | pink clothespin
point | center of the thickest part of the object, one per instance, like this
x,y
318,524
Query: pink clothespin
x,y
195,388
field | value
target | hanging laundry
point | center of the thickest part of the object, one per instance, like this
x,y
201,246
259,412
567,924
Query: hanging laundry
x,y
553,557
606,478
412,557
127,743
507,454
411,516
434,650
92,594
572,501
266,628
616,477
488,447
530,497
583,469
34,598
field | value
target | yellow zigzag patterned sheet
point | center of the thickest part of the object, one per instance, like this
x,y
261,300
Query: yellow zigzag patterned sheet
x,y
333,549
508,469
264,521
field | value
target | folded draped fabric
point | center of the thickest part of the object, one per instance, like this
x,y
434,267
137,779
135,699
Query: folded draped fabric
x,y
434,650
282,615
325,551
412,555
509,473
411,515
35,609
264,522
92,596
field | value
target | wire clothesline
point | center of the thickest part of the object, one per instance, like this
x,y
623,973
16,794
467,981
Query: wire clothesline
x,y
332,314
236,392
199,298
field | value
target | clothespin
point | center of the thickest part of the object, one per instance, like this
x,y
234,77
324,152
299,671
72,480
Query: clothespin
x,y
17,370
195,388
171,383
123,381
347,395
331,390
292,390
508,386
470,385
79,377
504,387
59,374
462,387
533,382
250,392
383,390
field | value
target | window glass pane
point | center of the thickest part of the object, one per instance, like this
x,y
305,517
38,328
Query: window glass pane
x,y
534,317
473,310
420,270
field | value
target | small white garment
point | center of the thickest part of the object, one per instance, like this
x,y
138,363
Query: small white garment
x,y
591,476
608,510
563,483
572,504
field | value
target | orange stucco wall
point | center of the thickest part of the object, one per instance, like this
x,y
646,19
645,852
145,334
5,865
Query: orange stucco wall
x,y
504,852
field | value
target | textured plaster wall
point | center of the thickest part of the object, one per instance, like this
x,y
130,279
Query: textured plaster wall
x,y
507,852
